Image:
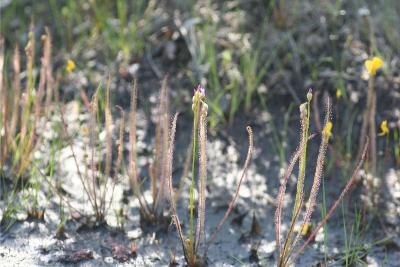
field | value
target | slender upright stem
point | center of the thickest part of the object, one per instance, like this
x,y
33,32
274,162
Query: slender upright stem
x,y
191,190
305,121
372,126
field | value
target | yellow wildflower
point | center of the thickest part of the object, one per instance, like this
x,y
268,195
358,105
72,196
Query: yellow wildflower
x,y
70,65
374,64
384,128
306,229
327,131
338,93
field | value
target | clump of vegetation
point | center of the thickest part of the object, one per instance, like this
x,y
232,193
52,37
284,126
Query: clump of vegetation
x,y
152,210
25,105
22,109
126,34
98,177
196,237
287,248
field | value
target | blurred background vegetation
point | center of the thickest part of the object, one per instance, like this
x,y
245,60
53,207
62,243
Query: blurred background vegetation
x,y
252,56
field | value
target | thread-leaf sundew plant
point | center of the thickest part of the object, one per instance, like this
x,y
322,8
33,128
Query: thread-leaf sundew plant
x,y
152,210
196,237
98,178
24,107
288,250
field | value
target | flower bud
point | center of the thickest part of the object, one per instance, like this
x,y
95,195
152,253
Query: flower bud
x,y
309,95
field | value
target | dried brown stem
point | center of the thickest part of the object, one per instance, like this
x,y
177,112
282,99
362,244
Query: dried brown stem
x,y
108,121
120,141
372,128
17,93
49,74
92,140
368,128
30,55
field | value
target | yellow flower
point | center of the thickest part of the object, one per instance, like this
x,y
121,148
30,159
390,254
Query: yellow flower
x,y
306,229
372,65
327,131
338,93
70,65
384,128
